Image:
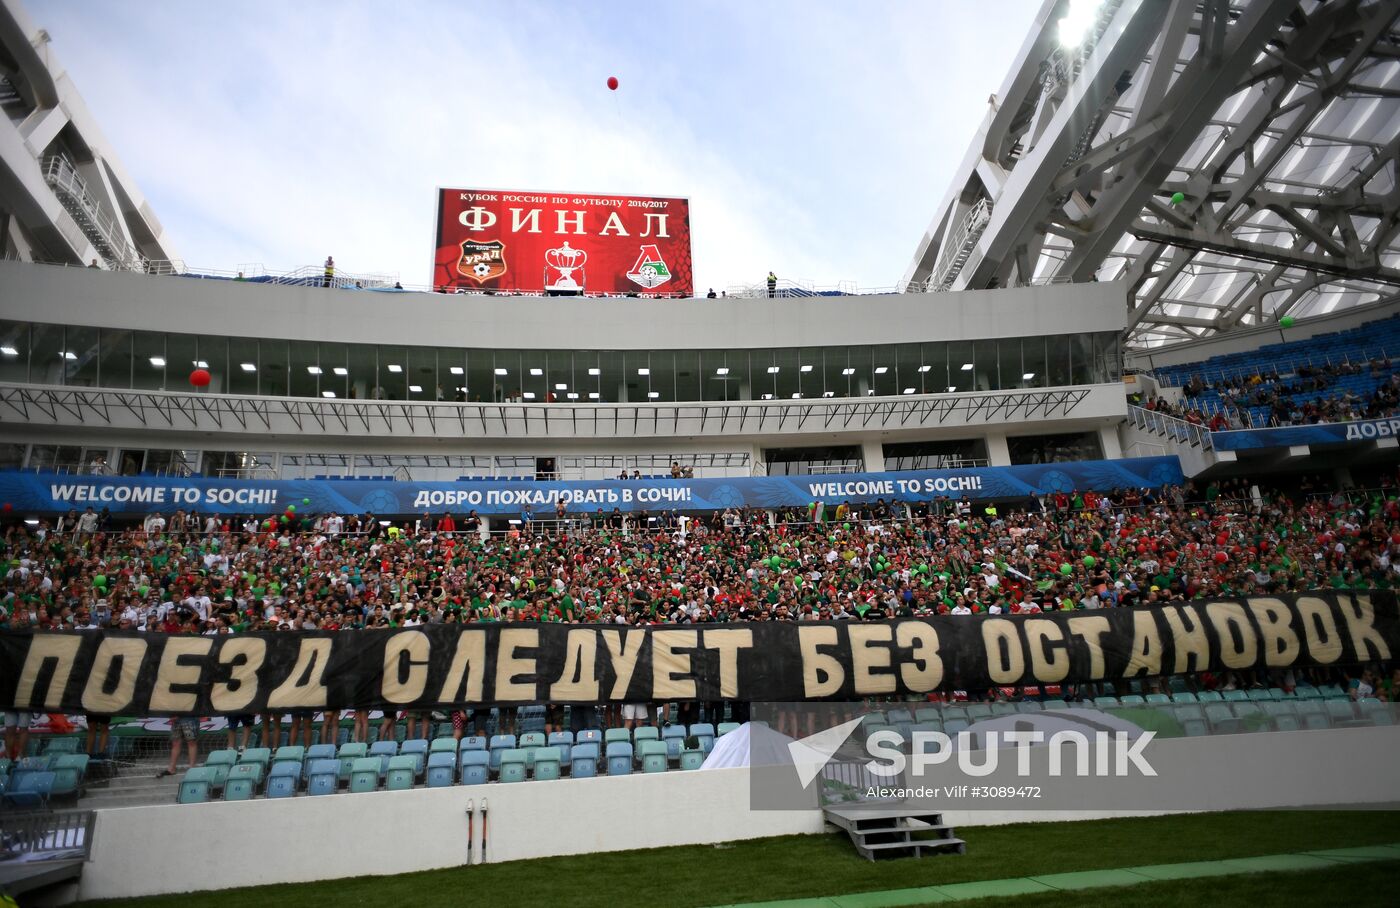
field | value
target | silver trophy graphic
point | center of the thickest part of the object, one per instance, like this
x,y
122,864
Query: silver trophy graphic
x,y
565,260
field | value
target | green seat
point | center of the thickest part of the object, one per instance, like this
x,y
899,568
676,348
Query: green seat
x,y
726,727
290,754
922,714
513,765
1055,704
978,711
1184,696
1221,718
64,745
1311,714
1191,719
443,745
530,742
1282,714
1209,696
1251,715
195,785
1335,692
1374,712
1106,702
1341,714
646,733
1234,696
547,764
653,755
347,755
403,769
238,789
221,758
220,773
1003,708
1157,700
874,717
68,771
692,759
364,774
952,711
259,755
1131,700
253,772
622,735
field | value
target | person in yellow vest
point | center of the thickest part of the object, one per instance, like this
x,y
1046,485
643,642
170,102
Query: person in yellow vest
x,y
328,277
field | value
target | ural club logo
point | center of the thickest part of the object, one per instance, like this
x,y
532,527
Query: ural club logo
x,y
482,261
650,271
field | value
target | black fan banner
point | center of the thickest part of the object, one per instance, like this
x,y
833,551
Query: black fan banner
x,y
449,665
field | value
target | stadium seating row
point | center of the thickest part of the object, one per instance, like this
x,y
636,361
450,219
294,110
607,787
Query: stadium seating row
x,y
357,767
34,781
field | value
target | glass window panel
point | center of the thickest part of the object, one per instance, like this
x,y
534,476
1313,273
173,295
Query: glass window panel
x,y
421,373
663,375
180,356
306,356
984,354
637,371
1082,355
908,358
332,357
14,366
273,366
719,379
1010,367
935,356
961,366
452,372
148,360
391,379
214,352
887,382
788,378
243,352
1057,360
1033,360
689,378
81,367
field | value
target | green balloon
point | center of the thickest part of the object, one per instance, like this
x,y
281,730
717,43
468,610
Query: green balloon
x,y
1178,198
845,526
99,580
1286,322
306,501
283,518
291,509
1066,569
1089,560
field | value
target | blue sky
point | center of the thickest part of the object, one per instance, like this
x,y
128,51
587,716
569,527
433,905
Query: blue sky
x,y
813,138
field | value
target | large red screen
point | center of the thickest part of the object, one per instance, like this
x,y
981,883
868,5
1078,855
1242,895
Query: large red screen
x,y
562,242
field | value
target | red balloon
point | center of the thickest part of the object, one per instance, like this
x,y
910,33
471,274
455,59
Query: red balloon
x,y
1221,558
201,378
612,83
7,507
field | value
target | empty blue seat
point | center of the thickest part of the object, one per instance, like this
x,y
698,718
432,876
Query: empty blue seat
x,y
475,766
564,740
365,773
68,770
442,768
472,742
499,745
282,783
692,759
589,736
619,758
323,777
253,772
674,737
583,760
530,742
418,749
383,751
403,769
706,733
317,752
347,755
652,755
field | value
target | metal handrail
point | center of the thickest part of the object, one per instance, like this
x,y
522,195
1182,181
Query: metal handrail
x,y
1178,429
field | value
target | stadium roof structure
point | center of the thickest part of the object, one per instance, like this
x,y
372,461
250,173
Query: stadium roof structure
x,y
1233,162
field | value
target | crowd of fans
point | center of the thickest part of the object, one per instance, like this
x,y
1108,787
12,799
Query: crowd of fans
x,y
206,574
1291,400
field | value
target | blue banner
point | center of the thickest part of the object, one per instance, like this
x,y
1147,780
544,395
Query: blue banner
x,y
1334,433
28,493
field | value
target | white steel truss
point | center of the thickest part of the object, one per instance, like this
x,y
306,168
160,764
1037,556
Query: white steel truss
x,y
44,405
1276,121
